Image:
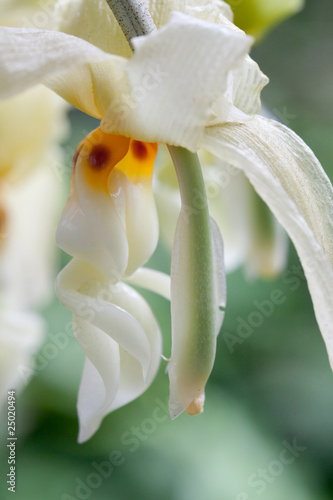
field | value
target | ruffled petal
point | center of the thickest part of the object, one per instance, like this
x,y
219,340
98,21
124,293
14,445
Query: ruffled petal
x,y
289,178
245,82
193,342
117,330
174,77
110,220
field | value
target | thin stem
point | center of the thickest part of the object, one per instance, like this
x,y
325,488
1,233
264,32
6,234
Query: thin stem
x,y
133,17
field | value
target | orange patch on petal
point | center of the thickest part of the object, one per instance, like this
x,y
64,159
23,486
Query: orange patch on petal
x,y
97,155
139,160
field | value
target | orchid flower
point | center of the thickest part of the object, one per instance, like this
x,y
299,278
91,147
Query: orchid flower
x,y
190,84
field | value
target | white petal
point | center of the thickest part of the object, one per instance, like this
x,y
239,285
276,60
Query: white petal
x,y
152,280
289,178
100,377
223,185
94,21
21,334
120,336
93,304
174,76
27,250
167,196
29,123
267,245
193,346
30,56
110,220
245,82
141,221
251,234
81,236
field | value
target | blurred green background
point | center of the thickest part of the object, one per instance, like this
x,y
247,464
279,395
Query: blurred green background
x,y
273,392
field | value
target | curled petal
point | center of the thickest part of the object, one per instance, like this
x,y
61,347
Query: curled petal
x,y
119,334
110,219
289,178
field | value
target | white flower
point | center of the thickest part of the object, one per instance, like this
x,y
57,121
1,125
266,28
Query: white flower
x,y
190,84
21,334
30,126
110,226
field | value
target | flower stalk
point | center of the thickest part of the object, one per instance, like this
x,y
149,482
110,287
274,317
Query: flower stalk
x,y
133,17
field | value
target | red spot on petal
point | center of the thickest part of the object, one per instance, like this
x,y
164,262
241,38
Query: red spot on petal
x,y
99,157
139,150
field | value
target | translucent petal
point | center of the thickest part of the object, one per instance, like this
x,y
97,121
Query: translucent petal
x,y
289,178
